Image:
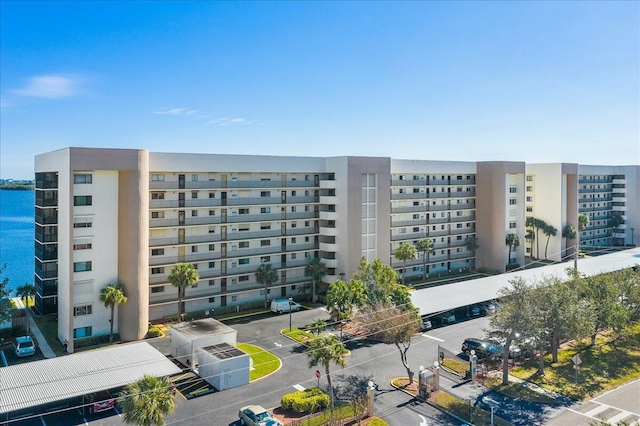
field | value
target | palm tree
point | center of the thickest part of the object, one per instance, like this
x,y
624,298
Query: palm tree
x,y
111,296
266,276
424,246
569,233
513,241
183,275
147,401
404,252
529,223
324,350
549,231
317,326
471,244
538,224
316,269
613,223
25,291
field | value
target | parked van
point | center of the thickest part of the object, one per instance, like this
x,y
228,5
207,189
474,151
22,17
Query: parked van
x,y
284,305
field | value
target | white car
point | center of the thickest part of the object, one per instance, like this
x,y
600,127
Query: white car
x,y
24,346
255,415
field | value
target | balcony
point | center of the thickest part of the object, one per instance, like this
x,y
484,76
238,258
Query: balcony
x,y
408,209
408,236
328,247
328,215
329,231
328,184
409,196
230,184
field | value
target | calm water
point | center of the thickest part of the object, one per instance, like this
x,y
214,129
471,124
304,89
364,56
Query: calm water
x,y
16,236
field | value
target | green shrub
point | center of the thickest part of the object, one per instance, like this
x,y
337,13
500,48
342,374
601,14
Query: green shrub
x,y
87,342
305,401
154,332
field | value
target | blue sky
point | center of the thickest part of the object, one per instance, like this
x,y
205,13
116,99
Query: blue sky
x,y
473,81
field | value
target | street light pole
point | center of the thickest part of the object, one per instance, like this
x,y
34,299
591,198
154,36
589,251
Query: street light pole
x,y
290,303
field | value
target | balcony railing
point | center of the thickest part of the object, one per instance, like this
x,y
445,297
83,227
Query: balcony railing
x,y
231,184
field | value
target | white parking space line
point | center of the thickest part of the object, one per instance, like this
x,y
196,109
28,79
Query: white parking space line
x,y
299,387
434,338
595,411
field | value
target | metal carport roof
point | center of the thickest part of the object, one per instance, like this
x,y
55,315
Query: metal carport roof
x,y
40,382
450,296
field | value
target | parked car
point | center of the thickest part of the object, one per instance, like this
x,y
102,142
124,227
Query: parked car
x,y
444,318
255,415
487,308
515,351
24,346
284,305
100,401
426,324
483,348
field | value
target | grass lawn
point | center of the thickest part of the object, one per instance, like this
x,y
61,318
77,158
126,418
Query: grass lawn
x,y
264,362
298,335
515,390
49,328
465,410
609,364
459,367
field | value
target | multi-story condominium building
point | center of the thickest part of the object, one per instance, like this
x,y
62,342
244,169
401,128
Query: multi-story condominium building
x,y
106,216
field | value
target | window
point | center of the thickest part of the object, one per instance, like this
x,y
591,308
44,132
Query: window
x,y
212,195
81,266
212,282
294,225
157,215
458,225
212,300
513,201
306,223
81,310
293,209
243,261
194,178
212,247
529,188
529,199
234,298
243,211
212,265
529,209
243,278
82,200
159,289
79,333
293,241
416,216
194,194
82,244
416,229
264,243
264,226
82,178
157,252
512,190
194,213
416,190
194,249
82,222
512,225
265,193
157,195
529,178
157,178
155,271
307,239
212,229
212,212
293,193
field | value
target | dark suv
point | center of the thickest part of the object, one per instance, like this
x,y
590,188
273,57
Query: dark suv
x,y
483,348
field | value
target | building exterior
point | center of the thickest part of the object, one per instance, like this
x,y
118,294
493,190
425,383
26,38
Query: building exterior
x,y
107,216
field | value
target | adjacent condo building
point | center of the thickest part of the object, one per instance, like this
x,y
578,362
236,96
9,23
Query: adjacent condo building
x,y
108,216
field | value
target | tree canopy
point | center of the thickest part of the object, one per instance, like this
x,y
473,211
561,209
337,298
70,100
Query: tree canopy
x,y
404,252
147,401
324,350
183,275
112,296
5,293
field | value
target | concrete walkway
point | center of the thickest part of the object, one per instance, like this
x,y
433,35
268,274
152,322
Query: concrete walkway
x,y
35,331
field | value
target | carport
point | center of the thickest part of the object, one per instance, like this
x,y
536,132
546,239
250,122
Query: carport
x,y
26,389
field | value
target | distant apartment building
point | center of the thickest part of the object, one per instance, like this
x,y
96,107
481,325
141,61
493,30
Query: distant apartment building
x,y
106,216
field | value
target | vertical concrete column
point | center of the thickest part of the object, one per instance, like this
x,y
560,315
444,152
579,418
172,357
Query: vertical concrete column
x,y
133,248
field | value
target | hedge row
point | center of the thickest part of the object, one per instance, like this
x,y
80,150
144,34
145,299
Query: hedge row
x,y
305,401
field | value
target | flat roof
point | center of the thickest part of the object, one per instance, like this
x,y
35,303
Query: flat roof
x,y
450,296
223,351
201,328
40,382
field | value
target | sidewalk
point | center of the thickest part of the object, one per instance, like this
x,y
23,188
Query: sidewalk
x,y
42,342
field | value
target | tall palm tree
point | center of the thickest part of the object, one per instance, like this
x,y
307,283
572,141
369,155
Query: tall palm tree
x,y
316,269
112,295
569,233
266,276
538,224
613,223
513,241
147,401
583,222
424,246
183,275
529,224
25,291
549,231
471,244
404,252
324,350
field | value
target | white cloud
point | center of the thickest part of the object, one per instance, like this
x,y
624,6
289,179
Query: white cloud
x,y
238,121
50,87
177,111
